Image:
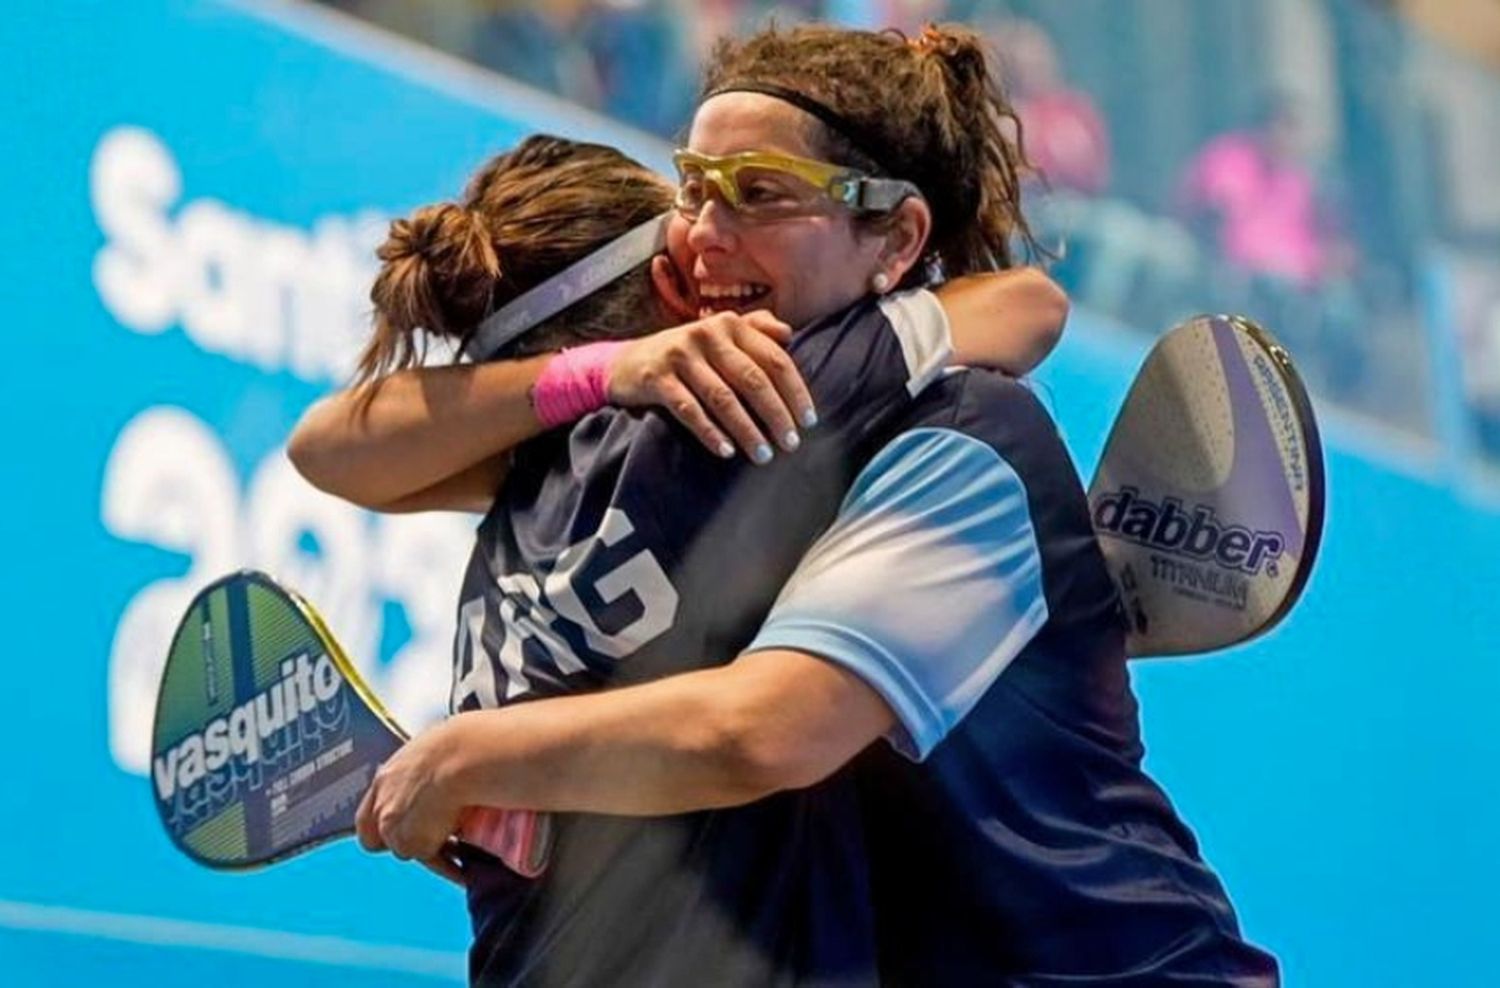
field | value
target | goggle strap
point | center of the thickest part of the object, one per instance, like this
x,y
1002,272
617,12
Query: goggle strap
x,y
881,195
577,281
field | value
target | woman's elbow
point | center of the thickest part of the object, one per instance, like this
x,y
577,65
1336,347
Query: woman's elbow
x,y
308,452
302,451
316,453
1051,305
757,756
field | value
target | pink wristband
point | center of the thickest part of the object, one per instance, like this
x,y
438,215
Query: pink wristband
x,y
574,383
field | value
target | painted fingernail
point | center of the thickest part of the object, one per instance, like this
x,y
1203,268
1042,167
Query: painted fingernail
x,y
724,449
762,454
791,440
809,418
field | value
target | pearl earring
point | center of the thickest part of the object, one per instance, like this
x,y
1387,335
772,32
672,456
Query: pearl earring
x,y
880,282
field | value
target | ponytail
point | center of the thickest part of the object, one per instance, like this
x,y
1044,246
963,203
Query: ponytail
x,y
985,125
438,274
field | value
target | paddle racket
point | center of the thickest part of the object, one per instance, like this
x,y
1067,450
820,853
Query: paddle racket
x,y
266,738
1209,498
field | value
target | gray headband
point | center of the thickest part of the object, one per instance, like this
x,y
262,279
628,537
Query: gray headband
x,y
579,280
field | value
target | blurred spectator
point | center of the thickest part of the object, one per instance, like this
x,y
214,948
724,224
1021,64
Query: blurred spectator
x,y
1471,306
710,20
542,45
1471,25
1253,193
1064,134
1259,236
644,62
630,59
906,15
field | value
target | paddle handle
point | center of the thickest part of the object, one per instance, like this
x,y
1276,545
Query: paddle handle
x,y
521,839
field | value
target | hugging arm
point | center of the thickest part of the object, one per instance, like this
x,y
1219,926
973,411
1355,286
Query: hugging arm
x,y
842,661
385,444
1007,321
420,438
710,738
433,438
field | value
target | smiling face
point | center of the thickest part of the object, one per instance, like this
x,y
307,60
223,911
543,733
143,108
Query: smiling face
x,y
801,267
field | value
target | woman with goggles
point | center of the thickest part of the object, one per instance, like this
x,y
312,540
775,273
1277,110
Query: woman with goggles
x,y
1012,834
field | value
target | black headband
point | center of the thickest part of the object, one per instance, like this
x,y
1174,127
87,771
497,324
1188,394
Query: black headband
x,y
860,138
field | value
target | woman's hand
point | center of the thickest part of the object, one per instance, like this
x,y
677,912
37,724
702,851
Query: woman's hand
x,y
707,371
411,808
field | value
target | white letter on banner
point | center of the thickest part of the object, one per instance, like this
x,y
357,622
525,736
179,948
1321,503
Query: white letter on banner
x,y
286,282
247,288
167,483
133,182
214,247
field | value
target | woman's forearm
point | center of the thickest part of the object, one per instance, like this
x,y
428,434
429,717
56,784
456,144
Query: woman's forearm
x,y
472,489
666,750
415,428
1007,320
716,737
655,749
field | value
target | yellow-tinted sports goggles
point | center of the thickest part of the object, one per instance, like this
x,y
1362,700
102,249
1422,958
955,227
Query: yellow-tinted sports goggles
x,y
766,185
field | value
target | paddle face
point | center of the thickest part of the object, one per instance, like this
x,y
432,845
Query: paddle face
x,y
262,746
1208,501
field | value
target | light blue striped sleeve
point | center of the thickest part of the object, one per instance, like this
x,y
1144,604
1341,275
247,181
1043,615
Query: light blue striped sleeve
x,y
927,585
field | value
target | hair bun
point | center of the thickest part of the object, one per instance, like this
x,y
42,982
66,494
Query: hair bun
x,y
439,270
933,39
430,232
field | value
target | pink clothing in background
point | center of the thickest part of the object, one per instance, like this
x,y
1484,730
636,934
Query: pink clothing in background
x,y
1268,208
1066,139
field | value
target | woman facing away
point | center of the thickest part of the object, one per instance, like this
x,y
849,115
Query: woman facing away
x,y
1012,835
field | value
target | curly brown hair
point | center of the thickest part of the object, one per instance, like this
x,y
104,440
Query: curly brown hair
x,y
526,215
926,109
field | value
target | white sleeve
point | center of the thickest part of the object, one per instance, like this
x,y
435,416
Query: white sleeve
x,y
927,585
921,327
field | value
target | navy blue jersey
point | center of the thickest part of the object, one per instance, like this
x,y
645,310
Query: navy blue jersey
x,y
623,552
1013,836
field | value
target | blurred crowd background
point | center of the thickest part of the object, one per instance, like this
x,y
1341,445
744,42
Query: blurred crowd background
x,y
1328,168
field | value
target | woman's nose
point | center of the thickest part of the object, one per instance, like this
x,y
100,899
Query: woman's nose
x,y
714,228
